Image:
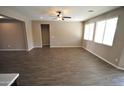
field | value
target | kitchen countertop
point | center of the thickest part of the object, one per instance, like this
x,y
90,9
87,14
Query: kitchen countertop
x,y
8,79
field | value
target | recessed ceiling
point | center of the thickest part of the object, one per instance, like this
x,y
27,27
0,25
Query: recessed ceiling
x,y
78,13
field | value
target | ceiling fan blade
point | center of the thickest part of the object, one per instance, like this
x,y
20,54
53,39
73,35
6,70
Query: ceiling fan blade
x,y
66,17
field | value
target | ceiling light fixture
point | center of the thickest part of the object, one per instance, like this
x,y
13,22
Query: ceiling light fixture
x,y
90,11
59,18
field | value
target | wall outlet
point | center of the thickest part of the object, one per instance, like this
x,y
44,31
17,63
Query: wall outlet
x,y
53,37
116,60
9,46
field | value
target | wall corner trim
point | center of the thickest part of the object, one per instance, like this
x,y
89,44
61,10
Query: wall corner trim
x,y
33,48
118,67
29,49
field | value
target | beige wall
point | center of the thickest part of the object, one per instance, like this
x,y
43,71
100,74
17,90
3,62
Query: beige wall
x,y
62,34
12,36
11,12
121,62
109,53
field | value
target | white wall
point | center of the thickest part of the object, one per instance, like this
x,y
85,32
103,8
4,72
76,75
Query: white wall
x,y
62,34
17,15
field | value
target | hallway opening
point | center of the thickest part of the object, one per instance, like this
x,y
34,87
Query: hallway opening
x,y
45,35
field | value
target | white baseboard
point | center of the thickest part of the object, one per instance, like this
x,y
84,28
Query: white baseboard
x,y
56,47
13,49
37,47
65,46
118,67
46,44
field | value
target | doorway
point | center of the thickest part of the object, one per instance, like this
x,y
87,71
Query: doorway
x,y
45,35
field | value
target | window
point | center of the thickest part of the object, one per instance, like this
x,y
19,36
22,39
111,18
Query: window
x,y
110,31
105,31
88,32
100,26
91,31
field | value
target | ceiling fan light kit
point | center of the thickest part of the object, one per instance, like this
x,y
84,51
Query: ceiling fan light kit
x,y
60,16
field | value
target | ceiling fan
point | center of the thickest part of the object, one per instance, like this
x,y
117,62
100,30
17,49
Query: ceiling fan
x,y
60,16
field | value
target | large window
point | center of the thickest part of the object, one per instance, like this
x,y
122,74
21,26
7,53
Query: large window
x,y
100,26
88,32
110,31
105,31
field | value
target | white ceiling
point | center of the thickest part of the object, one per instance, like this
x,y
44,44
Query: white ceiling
x,y
78,13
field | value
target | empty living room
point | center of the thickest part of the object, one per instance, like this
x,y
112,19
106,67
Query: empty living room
x,y
61,45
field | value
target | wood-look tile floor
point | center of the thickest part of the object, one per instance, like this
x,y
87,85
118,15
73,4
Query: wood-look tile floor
x,y
59,67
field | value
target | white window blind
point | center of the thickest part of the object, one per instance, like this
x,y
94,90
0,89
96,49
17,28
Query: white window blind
x,y
91,31
110,31
88,32
100,27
